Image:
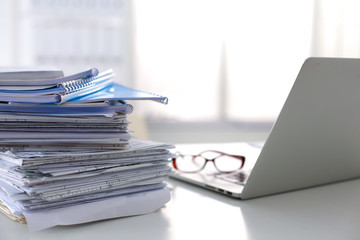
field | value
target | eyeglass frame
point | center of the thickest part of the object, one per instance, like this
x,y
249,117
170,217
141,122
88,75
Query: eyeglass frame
x,y
240,157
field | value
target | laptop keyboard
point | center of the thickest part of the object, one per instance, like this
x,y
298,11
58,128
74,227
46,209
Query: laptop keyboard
x,y
235,177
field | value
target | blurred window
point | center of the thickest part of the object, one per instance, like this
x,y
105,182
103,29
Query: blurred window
x,y
216,60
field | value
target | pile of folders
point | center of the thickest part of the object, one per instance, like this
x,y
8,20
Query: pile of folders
x,y
66,154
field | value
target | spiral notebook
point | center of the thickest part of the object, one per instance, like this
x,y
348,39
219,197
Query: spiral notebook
x,y
62,92
89,89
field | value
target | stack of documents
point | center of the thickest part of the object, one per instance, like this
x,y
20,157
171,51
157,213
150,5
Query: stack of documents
x,y
66,154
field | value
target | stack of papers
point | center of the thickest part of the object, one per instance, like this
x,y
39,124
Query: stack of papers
x,y
73,161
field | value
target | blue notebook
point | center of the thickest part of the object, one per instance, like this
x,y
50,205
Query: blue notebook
x,y
119,92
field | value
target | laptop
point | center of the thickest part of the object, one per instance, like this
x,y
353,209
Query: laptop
x,y
314,141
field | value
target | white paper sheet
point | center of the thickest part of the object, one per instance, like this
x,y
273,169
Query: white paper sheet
x,y
129,205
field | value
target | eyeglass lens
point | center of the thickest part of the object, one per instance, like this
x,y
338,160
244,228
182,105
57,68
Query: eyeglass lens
x,y
190,163
226,163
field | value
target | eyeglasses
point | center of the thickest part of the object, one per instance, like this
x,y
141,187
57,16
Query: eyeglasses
x,y
223,162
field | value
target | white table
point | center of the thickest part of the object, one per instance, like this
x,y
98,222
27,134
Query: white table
x,y
327,212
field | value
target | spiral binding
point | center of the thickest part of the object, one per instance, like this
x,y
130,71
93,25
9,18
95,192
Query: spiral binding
x,y
128,108
84,83
160,98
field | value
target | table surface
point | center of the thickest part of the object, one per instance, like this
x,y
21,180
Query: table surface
x,y
326,212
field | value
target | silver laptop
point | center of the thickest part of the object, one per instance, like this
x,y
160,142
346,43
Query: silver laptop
x,y
314,141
